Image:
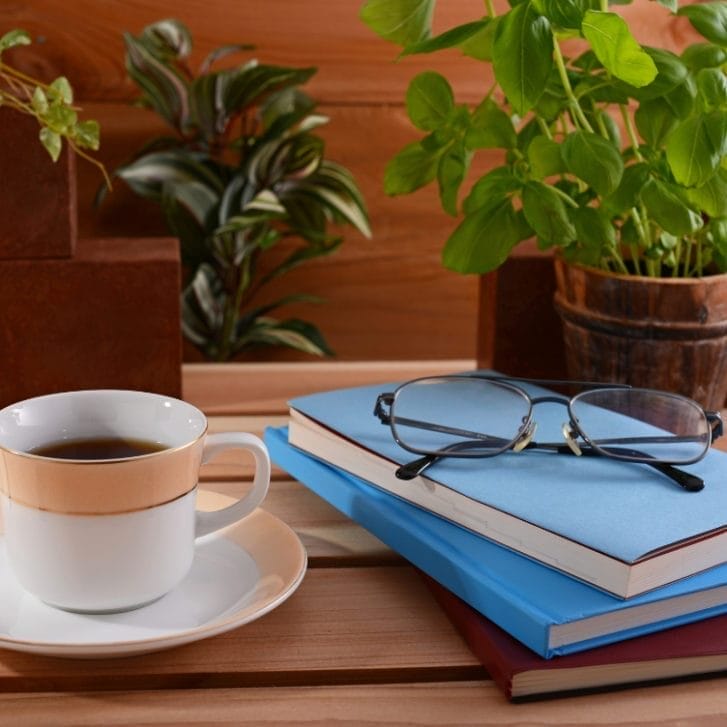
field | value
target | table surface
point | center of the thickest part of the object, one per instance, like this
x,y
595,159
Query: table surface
x,y
361,640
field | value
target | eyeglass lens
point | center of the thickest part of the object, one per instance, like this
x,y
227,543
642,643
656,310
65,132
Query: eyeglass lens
x,y
463,416
655,424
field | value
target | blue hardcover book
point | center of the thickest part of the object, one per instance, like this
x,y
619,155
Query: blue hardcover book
x,y
620,526
549,612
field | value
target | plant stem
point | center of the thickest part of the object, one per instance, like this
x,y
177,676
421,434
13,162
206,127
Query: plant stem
x,y
544,127
602,126
687,258
572,100
490,5
93,161
677,258
643,236
565,197
6,70
232,311
620,265
628,123
700,262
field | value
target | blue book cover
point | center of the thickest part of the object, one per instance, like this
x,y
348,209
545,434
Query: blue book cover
x,y
546,610
621,526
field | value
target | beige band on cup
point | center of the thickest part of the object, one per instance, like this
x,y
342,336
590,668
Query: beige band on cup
x,y
100,488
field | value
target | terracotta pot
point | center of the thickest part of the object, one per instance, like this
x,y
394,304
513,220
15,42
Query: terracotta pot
x,y
662,333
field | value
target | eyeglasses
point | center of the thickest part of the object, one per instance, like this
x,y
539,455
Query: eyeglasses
x,y
479,415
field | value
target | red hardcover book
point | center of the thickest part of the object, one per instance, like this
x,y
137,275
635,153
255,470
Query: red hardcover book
x,y
695,650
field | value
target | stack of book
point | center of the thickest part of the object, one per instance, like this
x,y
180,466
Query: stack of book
x,y
564,574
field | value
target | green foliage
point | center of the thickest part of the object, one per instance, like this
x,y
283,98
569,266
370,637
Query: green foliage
x,y
51,104
651,203
242,173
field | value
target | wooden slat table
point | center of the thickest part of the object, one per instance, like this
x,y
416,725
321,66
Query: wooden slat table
x,y
361,641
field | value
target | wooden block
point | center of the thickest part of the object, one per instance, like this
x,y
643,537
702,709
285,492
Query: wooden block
x,y
108,318
37,196
519,331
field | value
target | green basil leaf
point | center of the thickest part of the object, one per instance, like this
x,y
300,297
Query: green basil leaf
x,y
594,231
523,56
451,172
449,39
712,196
691,152
594,160
564,13
671,72
483,240
710,19
712,86
429,100
628,193
616,48
655,119
546,213
716,123
681,99
479,45
612,128
553,101
704,55
490,128
400,21
668,209
545,157
410,169
496,184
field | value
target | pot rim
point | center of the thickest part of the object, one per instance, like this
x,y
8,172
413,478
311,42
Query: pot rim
x,y
712,279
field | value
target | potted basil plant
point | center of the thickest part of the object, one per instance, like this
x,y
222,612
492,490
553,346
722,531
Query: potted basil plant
x,y
613,157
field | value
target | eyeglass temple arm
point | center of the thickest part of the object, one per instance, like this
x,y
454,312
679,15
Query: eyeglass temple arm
x,y
715,422
385,418
685,480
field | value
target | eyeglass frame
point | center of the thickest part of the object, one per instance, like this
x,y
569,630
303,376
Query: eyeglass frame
x,y
523,438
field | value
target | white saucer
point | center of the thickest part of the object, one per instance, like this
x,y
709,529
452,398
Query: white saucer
x,y
237,575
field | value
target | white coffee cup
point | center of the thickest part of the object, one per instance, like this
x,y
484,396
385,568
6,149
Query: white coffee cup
x,y
104,535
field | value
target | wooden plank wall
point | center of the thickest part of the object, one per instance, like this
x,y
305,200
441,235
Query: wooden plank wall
x,y
387,298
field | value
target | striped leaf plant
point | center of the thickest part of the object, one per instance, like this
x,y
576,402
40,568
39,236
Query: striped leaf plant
x,y
612,152
242,171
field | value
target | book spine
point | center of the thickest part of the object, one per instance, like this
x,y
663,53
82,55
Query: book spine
x,y
381,514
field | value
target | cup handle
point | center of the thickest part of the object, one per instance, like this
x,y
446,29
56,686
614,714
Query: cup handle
x,y
207,522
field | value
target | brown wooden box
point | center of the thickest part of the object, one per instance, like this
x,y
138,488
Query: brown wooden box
x,y
520,333
38,217
108,318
